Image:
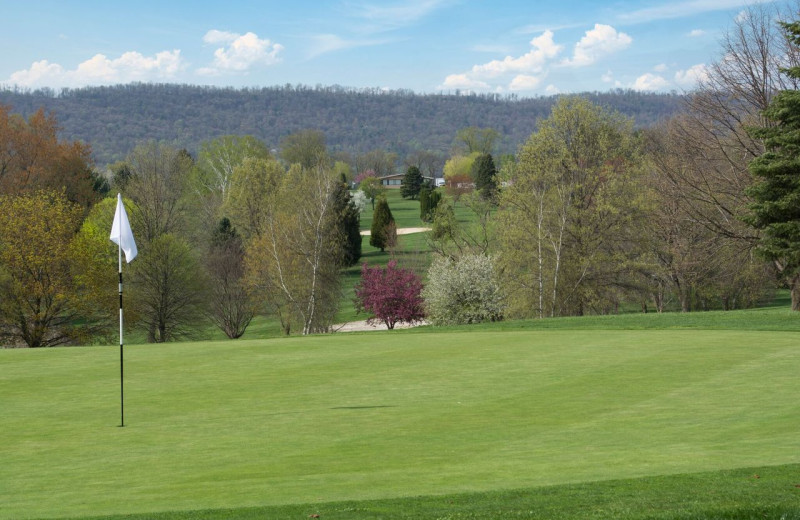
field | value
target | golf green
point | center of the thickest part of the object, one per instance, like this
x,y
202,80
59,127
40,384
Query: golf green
x,y
382,415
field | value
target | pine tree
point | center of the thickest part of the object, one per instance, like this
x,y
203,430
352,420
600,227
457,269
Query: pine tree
x,y
776,192
383,232
424,203
349,224
484,173
412,183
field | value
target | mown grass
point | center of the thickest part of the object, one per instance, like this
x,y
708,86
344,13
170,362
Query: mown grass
x,y
745,493
353,417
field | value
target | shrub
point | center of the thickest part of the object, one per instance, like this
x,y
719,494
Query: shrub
x,y
463,291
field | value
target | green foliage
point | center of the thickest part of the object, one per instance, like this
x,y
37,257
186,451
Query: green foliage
x,y
412,183
463,291
38,299
349,223
293,263
484,174
571,224
168,289
216,162
424,203
776,193
477,140
306,148
383,232
253,184
372,188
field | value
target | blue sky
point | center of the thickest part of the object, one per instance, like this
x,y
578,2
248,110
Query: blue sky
x,y
526,47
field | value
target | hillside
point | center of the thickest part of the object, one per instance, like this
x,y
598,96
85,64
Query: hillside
x,y
114,119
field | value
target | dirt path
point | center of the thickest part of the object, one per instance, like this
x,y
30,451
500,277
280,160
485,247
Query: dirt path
x,y
403,231
355,326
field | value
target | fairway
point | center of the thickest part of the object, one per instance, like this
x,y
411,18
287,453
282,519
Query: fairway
x,y
382,415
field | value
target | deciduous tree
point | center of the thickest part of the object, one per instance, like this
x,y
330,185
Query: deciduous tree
x,y
32,158
231,304
391,295
294,262
216,162
568,224
477,140
306,148
38,303
168,289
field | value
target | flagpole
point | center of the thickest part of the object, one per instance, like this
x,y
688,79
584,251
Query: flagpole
x,y
121,384
123,236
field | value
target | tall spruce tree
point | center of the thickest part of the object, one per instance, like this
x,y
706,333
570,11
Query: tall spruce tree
x,y
484,173
424,203
412,183
383,232
349,223
776,193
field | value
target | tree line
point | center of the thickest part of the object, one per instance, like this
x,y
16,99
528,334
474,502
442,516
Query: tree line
x,y
114,119
591,214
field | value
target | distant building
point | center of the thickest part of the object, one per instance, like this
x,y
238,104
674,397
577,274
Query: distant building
x,y
396,180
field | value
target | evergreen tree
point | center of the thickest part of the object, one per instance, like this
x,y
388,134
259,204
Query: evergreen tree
x,y
383,232
412,183
776,192
349,223
433,200
484,173
424,203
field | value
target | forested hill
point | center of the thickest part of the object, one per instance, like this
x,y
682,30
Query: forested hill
x,y
114,119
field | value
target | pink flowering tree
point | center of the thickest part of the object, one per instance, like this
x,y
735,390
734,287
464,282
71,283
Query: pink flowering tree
x,y
392,295
363,175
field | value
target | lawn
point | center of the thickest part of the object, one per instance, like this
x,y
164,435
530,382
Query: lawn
x,y
387,416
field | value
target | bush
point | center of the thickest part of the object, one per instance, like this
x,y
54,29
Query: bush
x,y
463,291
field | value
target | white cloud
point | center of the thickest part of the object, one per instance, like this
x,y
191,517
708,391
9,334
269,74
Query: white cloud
x,y
690,77
215,36
325,43
608,77
381,17
649,81
597,43
101,70
463,81
679,10
525,82
518,73
240,52
552,90
661,67
544,49
695,33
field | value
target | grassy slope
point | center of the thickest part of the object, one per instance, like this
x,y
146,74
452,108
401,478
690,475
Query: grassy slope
x,y
359,417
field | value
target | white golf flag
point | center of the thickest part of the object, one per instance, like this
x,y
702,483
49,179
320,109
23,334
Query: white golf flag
x,y
121,233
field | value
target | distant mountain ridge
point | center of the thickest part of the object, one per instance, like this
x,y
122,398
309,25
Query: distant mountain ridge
x,y
114,119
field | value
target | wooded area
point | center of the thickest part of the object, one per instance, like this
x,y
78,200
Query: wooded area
x,y
115,118
591,215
